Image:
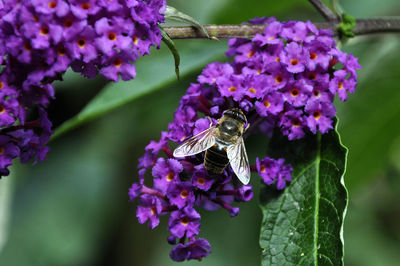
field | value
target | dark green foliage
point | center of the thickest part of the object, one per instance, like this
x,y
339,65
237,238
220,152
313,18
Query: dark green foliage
x,y
302,225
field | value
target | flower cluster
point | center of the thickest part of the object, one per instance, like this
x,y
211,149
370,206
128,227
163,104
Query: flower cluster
x,y
41,39
289,75
286,77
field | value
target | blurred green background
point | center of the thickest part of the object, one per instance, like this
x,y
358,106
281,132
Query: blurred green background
x,y
73,209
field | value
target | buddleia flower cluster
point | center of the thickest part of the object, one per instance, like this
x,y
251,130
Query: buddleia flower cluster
x,y
41,39
284,78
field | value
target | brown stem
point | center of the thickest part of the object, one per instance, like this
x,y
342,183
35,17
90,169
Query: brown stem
x,y
324,10
363,26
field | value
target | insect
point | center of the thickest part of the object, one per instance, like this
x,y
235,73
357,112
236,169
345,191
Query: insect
x,y
223,144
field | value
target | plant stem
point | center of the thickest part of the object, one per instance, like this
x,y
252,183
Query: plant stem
x,y
324,10
363,26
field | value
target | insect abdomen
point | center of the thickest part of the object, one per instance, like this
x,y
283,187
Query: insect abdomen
x,y
215,160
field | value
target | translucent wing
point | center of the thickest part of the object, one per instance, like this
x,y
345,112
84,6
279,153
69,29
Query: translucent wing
x,y
197,143
239,162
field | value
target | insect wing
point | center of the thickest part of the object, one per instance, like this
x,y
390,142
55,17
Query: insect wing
x,y
239,162
197,143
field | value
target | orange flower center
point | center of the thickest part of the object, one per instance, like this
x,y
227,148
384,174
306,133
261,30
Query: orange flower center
x,y
252,90
278,78
184,194
316,93
52,4
294,92
1,150
117,62
267,103
340,85
153,210
317,115
232,89
263,169
2,109
259,72
294,62
81,42
85,6
295,123
184,221
251,53
311,76
1,84
170,176
44,30
313,56
277,59
135,40
112,36
201,181
61,51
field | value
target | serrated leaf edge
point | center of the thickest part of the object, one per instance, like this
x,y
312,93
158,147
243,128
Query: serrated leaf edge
x,y
285,193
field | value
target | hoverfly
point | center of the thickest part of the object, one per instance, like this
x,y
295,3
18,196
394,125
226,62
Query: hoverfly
x,y
223,144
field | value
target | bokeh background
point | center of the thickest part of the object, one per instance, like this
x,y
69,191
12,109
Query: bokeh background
x,y
73,208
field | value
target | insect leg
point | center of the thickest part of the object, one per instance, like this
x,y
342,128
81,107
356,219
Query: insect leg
x,y
247,127
211,122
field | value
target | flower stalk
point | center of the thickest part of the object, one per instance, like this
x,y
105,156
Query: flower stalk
x,y
363,26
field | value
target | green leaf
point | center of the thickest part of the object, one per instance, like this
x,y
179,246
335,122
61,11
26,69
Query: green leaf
x,y
303,224
172,47
152,74
174,14
6,190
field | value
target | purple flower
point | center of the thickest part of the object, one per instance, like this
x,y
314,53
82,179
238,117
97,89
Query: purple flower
x,y
245,193
196,249
231,86
201,178
274,171
271,104
184,222
293,57
8,151
278,75
255,86
166,171
112,35
149,210
155,147
297,93
40,40
295,31
119,65
49,7
318,55
213,71
270,35
320,115
284,175
341,85
181,194
134,191
292,124
83,8
82,46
